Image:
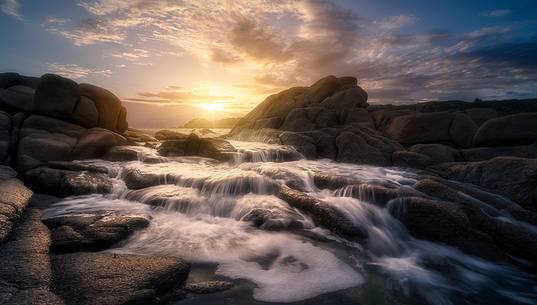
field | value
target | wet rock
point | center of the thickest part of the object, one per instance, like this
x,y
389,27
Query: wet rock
x,y
379,194
135,135
323,181
304,144
106,278
25,272
66,182
78,166
353,148
92,232
513,177
321,213
136,179
165,135
194,146
14,198
273,220
430,219
511,130
411,159
208,287
122,153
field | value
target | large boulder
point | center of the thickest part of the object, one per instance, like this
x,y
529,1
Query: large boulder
x,y
165,135
513,177
44,139
87,105
511,130
328,102
17,98
195,146
420,128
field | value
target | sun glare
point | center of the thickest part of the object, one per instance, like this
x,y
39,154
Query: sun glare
x,y
211,106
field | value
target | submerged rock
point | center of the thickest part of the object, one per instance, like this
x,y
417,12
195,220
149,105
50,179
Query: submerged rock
x,y
106,278
321,213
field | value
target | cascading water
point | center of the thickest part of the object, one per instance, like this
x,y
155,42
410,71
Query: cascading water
x,y
227,214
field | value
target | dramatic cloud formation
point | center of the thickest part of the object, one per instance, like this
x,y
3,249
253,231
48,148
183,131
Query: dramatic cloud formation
x,y
236,52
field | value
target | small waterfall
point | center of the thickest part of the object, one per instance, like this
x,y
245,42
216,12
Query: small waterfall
x,y
228,214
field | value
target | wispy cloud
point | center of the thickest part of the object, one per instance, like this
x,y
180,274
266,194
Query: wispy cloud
x,y
498,13
75,71
11,8
279,44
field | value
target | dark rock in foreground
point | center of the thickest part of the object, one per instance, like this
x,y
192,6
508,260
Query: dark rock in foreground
x,y
25,271
106,278
92,232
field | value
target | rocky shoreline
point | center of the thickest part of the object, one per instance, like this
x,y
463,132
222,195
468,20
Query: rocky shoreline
x,y
475,166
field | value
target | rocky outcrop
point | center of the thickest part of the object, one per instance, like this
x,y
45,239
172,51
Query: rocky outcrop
x,y
513,177
165,135
54,118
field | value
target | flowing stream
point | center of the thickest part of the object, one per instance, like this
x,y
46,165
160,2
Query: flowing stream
x,y
205,213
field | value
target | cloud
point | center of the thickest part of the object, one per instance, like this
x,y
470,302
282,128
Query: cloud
x,y
75,71
177,96
279,44
497,13
11,8
395,22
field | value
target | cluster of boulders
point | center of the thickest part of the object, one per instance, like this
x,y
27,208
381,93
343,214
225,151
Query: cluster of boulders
x,y
332,119
54,118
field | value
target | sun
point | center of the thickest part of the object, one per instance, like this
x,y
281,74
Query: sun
x,y
212,106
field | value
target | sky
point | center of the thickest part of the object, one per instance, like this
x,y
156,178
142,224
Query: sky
x,y
172,60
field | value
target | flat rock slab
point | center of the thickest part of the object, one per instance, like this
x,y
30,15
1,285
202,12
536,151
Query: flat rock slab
x,y
14,198
107,279
25,271
92,232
